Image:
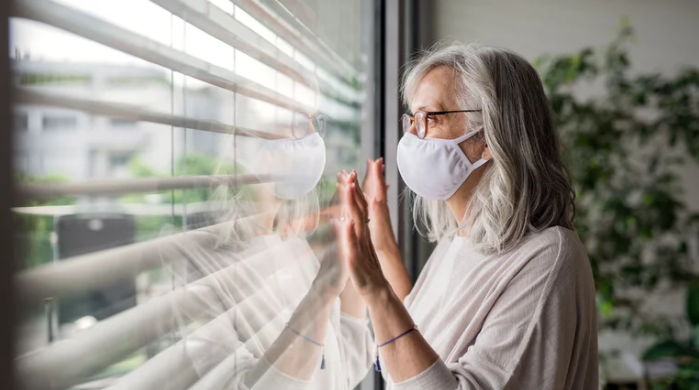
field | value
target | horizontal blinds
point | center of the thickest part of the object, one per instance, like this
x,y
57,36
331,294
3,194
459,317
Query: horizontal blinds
x,y
301,39
93,270
93,28
65,364
219,24
132,112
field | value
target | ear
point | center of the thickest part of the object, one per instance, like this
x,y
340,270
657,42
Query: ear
x,y
486,155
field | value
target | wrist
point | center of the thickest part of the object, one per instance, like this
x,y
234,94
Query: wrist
x,y
388,250
379,295
323,292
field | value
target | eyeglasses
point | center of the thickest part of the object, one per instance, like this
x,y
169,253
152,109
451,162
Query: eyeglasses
x,y
420,119
304,125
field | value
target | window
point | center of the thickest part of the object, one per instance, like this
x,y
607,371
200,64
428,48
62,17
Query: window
x,y
158,239
122,123
21,121
58,122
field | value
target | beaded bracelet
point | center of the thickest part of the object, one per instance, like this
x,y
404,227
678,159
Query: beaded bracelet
x,y
310,340
378,364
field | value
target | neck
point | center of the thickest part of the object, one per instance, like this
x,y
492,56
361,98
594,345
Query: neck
x,y
268,207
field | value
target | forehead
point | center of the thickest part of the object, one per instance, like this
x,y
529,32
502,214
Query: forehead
x,y
436,91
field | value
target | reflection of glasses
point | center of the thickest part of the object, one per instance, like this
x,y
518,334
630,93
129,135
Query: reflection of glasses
x,y
420,120
304,125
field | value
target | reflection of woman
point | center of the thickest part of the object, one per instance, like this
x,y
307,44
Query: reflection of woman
x,y
270,315
506,300
304,327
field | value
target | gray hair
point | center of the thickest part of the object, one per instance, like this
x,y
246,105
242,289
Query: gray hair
x,y
526,187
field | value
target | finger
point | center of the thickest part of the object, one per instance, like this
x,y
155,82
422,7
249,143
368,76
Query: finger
x,y
342,177
340,236
359,194
355,212
359,197
380,181
342,190
350,243
367,173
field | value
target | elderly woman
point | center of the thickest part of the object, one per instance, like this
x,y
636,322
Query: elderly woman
x,y
507,300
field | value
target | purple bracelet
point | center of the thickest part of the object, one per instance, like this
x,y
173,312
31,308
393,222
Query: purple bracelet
x,y
378,364
310,340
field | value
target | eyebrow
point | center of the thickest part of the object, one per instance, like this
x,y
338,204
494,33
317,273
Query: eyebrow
x,y
438,107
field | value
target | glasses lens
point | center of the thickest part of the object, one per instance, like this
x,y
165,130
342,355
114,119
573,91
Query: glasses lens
x,y
421,123
320,124
405,122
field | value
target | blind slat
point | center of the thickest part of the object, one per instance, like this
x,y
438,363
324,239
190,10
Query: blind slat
x,y
132,112
102,32
123,186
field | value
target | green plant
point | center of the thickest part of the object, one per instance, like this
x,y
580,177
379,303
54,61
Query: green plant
x,y
35,230
685,352
623,145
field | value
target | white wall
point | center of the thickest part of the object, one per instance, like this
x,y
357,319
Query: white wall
x,y
667,38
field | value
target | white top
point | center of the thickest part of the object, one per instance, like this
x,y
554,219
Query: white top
x,y
282,271
242,306
521,320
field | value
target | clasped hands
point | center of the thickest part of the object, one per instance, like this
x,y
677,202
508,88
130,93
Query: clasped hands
x,y
359,221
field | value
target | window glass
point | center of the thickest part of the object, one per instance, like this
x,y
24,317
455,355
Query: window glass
x,y
185,184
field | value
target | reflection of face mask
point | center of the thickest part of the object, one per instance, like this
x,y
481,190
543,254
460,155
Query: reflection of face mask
x,y
434,168
298,163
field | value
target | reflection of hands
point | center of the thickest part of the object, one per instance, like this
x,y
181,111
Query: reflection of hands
x,y
375,189
355,238
333,274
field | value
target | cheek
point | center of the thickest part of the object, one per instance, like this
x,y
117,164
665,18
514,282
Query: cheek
x,y
472,150
454,128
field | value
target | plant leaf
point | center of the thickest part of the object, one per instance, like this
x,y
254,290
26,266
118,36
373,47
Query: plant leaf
x,y
662,350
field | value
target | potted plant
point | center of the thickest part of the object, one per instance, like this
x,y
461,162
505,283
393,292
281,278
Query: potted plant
x,y
682,352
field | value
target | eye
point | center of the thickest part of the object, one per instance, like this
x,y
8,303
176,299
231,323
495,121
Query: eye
x,y
431,119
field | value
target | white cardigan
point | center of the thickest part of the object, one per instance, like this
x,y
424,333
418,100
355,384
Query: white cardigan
x,y
523,320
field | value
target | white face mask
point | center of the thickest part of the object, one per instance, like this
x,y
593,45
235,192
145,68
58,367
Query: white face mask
x,y
434,168
299,163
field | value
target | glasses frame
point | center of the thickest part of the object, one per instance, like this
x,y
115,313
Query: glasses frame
x,y
312,122
422,133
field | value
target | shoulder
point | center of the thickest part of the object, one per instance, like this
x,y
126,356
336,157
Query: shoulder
x,y
554,251
555,243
